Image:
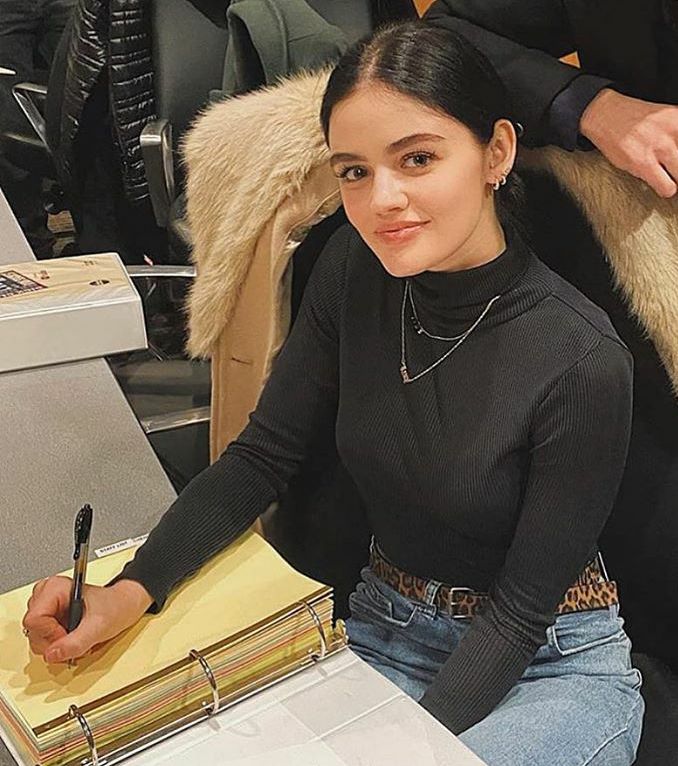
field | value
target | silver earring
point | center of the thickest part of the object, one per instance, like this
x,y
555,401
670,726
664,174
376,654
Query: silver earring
x,y
501,181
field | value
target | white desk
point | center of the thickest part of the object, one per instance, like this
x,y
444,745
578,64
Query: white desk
x,y
338,713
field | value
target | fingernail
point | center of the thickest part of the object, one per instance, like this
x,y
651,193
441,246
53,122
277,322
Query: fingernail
x,y
53,655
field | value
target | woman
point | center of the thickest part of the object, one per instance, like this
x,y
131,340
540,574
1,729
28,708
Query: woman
x,y
481,405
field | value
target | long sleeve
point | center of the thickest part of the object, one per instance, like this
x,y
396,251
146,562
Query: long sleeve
x,y
524,40
567,108
297,406
578,449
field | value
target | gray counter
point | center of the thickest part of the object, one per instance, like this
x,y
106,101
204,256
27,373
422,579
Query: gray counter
x,y
68,437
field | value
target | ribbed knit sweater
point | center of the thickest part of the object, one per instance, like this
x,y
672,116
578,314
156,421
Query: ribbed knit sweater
x,y
495,471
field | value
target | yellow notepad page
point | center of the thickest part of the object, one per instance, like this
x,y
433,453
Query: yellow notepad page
x,y
242,586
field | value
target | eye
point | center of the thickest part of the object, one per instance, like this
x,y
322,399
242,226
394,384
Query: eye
x,y
418,159
351,174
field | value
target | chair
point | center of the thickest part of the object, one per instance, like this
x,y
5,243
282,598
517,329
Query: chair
x,y
184,76
188,60
167,394
27,149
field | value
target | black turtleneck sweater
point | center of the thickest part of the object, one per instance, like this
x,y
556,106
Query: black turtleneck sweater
x,y
495,471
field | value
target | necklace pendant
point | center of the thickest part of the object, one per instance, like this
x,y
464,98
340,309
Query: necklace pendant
x,y
404,374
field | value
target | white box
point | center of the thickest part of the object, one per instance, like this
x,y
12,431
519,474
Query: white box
x,y
67,309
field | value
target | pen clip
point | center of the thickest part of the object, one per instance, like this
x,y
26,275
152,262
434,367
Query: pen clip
x,y
83,526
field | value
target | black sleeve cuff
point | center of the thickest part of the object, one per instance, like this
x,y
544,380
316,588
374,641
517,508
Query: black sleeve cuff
x,y
129,572
567,108
430,703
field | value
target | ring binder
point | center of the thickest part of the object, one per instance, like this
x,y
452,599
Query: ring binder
x,y
74,712
119,709
319,626
214,707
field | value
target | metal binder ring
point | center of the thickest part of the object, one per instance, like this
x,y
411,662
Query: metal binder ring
x,y
319,626
214,707
75,713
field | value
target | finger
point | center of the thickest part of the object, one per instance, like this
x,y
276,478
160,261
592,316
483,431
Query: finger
x,y
671,169
660,180
51,600
75,644
40,585
42,632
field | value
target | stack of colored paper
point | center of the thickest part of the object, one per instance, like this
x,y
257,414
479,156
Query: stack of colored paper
x,y
249,615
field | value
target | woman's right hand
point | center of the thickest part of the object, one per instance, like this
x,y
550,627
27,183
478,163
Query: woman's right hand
x,y
108,611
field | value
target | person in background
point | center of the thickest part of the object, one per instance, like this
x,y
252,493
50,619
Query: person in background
x,y
29,34
471,390
623,101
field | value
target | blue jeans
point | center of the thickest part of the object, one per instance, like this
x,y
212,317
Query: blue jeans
x,y
577,704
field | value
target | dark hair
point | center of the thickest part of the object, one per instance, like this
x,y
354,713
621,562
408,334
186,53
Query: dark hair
x,y
436,66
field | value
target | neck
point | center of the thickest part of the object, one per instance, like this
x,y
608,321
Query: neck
x,y
485,243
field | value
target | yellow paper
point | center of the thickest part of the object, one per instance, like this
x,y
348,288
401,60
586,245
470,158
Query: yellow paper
x,y
244,585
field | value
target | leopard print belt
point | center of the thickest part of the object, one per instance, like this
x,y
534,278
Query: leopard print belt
x,y
591,590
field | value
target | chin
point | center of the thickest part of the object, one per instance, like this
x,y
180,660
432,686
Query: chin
x,y
400,271
403,265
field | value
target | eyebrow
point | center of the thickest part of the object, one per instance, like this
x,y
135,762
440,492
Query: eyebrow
x,y
396,146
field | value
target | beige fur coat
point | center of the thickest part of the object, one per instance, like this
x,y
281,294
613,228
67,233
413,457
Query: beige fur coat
x,y
251,160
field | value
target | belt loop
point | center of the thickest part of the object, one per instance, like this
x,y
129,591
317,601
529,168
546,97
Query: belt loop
x,y
601,564
432,588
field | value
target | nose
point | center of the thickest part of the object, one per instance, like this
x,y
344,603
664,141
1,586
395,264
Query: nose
x,y
387,193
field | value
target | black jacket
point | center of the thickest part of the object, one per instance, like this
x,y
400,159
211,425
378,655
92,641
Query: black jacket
x,y
630,43
107,47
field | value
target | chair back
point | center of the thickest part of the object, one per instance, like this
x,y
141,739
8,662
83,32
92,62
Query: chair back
x,y
188,61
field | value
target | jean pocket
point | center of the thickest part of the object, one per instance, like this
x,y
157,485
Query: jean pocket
x,y
376,602
581,631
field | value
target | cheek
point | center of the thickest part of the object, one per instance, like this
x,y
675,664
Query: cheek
x,y
356,207
455,196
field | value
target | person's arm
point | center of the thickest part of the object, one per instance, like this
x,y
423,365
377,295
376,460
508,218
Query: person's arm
x,y
565,113
524,39
560,104
578,450
639,137
297,405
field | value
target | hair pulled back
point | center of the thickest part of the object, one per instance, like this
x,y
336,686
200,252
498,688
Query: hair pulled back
x,y
436,66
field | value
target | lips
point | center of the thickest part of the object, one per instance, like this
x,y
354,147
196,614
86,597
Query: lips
x,y
397,233
394,227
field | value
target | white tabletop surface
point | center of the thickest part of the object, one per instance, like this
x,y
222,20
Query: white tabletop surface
x,y
340,712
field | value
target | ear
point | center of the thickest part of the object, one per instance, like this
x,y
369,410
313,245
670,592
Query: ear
x,y
501,151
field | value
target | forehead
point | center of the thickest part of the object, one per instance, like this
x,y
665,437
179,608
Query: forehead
x,y
375,114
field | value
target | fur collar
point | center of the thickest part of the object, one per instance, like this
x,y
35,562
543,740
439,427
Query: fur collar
x,y
247,154
639,234
244,157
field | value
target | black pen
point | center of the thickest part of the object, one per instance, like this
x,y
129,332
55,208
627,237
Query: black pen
x,y
83,527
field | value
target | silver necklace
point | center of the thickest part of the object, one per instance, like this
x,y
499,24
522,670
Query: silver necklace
x,y
459,339
418,326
